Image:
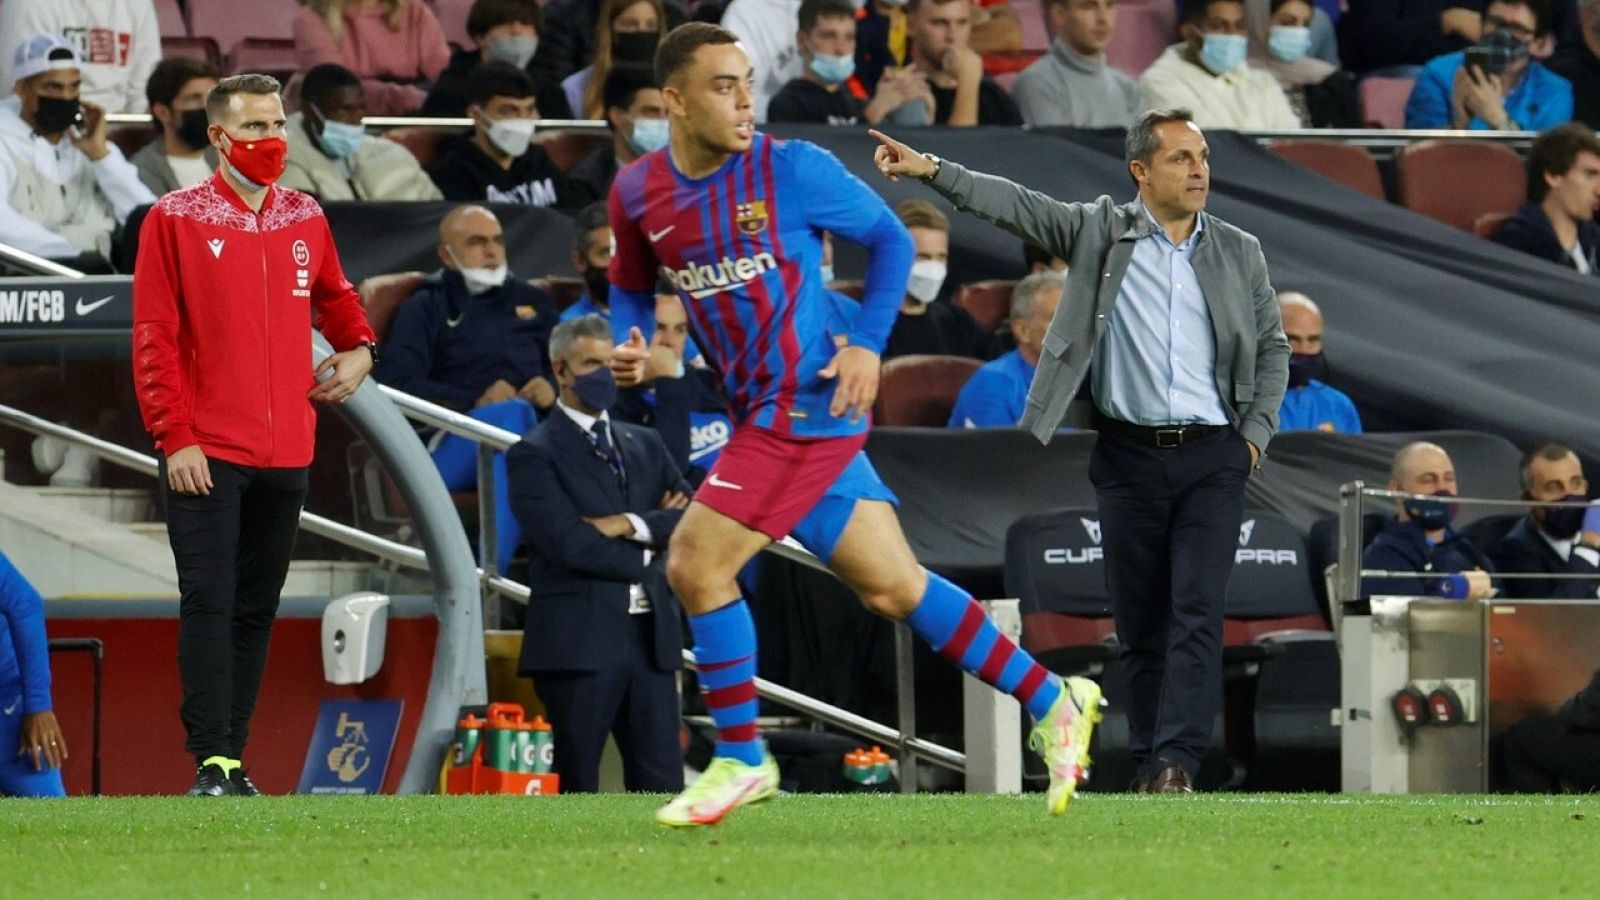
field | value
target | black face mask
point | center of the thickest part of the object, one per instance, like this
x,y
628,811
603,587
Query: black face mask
x,y
596,282
1303,367
55,115
634,46
192,128
1563,522
1431,515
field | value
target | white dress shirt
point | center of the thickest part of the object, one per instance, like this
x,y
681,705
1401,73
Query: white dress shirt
x,y
638,600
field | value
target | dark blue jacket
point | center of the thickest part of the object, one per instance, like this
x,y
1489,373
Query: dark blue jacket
x,y
578,618
1530,231
447,346
24,651
1524,549
669,408
1403,547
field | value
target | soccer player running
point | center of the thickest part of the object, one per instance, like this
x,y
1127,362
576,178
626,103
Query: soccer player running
x,y
735,219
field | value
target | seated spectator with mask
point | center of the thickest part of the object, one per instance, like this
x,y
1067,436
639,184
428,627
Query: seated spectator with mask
x,y
331,157
637,115
1309,404
1552,539
997,394
501,164
1418,538
1319,92
1504,88
1207,73
1557,223
63,186
181,155
924,326
823,92
504,30
472,339
591,256
1073,85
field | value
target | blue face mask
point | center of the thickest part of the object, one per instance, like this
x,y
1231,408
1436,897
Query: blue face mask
x,y
649,135
1429,515
1222,53
833,69
596,390
1289,43
339,139
827,274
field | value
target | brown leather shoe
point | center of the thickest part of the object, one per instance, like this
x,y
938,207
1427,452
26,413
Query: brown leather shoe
x,y
1172,780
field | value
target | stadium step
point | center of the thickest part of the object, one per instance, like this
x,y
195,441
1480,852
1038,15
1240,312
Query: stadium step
x,y
110,504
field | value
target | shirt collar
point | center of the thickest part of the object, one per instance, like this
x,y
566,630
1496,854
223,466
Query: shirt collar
x,y
583,419
1147,226
1075,60
1563,549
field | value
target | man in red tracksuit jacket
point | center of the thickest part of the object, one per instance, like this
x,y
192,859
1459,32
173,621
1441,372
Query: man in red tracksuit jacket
x,y
229,274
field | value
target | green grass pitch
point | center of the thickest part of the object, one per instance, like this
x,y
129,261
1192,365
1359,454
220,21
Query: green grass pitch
x,y
946,846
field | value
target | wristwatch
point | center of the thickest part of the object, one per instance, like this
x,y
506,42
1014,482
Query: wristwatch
x,y
937,162
372,347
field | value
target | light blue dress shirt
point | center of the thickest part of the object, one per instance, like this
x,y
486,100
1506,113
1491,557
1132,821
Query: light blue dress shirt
x,y
1156,362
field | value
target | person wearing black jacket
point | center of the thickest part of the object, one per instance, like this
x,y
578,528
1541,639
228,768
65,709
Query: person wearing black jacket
x,y
1578,61
1388,34
1552,539
1546,754
1419,538
569,43
506,30
1557,223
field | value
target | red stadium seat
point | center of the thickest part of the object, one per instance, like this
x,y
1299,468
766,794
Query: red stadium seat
x,y
1348,164
988,301
1383,101
382,296
921,389
169,18
1458,181
202,48
228,22
270,56
1008,62
1142,34
568,148
1487,224
562,289
1031,19
422,142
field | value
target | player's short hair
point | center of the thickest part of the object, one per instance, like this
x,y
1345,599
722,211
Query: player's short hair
x,y
1028,289
489,14
588,219
249,83
498,78
170,75
1555,153
320,81
916,213
566,335
678,47
812,10
1549,451
624,82
915,5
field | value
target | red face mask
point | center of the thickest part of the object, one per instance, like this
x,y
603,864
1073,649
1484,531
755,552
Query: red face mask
x,y
261,160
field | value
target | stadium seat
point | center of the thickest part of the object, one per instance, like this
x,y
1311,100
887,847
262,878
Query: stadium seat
x,y
1035,32
988,301
850,287
1143,32
1487,224
568,148
1383,101
424,143
565,291
1322,551
1271,587
921,389
1458,181
202,48
452,15
1054,567
169,18
130,139
382,296
1489,531
1297,690
271,56
228,22
1010,63
1348,164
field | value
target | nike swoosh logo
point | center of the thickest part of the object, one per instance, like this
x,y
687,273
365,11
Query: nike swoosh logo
x,y
658,235
13,707
83,309
714,481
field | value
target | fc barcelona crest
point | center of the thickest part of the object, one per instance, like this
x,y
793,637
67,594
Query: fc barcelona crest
x,y
752,217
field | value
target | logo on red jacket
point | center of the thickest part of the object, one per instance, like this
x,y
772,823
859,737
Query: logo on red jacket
x,y
302,254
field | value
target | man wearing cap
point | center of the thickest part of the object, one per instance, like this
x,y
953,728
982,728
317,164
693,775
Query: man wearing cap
x,y
63,187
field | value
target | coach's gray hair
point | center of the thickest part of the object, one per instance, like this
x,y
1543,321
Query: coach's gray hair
x,y
1142,141
1028,288
565,336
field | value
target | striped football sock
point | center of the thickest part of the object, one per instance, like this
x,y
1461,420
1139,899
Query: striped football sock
x,y
958,628
725,653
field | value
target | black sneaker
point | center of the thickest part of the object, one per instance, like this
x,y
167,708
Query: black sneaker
x,y
242,785
211,781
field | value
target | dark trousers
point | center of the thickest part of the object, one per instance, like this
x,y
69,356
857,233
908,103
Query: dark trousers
x,y
232,548
1169,521
1543,755
634,701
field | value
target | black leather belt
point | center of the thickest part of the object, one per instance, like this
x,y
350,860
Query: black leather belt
x,y
1164,438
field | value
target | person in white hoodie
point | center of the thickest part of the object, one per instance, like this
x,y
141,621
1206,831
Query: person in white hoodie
x,y
118,44
63,186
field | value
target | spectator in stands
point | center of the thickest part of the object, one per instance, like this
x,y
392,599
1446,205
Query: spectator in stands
x,y
823,93
472,339
1395,37
1557,223
1036,259
1207,73
941,32
924,326
504,30
1073,84
689,412
1515,93
1579,64
997,394
1546,754
118,43
599,500
568,42
628,33
27,723
1418,538
501,164
766,32
591,256
637,115
181,155
1309,404
331,156
1320,93
1552,539
63,186
395,46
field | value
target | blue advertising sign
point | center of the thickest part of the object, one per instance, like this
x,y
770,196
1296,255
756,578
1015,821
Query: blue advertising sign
x,y
351,746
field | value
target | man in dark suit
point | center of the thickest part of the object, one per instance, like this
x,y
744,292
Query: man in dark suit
x,y
598,500
1552,539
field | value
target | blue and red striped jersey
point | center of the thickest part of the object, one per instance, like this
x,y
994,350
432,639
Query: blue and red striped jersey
x,y
743,248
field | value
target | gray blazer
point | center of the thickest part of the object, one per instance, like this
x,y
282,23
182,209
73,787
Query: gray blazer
x,y
1096,239
156,172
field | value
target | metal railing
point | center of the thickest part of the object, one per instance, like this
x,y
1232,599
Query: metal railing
x,y
22,260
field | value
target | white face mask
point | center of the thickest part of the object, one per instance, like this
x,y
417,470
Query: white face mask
x,y
927,276
480,280
512,136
